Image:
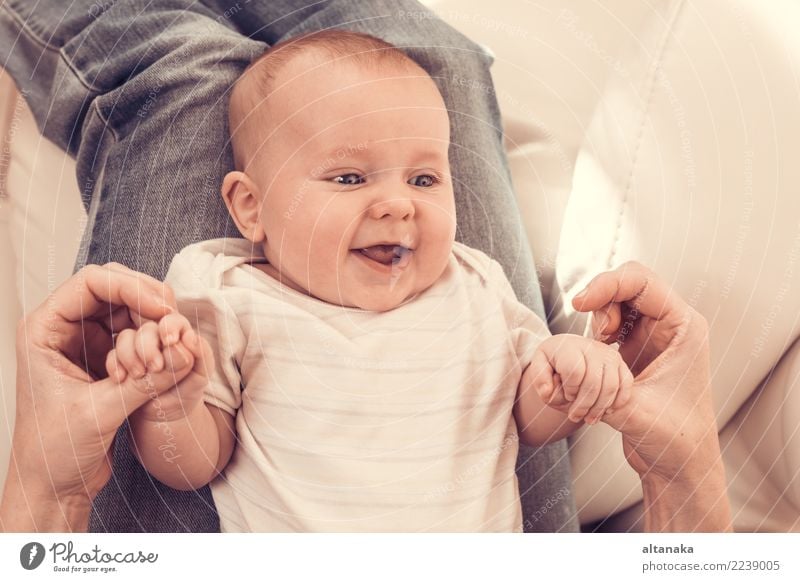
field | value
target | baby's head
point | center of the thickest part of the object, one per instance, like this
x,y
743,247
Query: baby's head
x,y
342,176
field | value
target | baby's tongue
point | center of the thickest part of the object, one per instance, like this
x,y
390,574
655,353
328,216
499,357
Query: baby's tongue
x,y
381,253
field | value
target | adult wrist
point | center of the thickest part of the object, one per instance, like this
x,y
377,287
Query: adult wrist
x,y
32,505
691,501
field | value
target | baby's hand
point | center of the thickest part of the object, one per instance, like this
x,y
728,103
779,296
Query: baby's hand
x,y
165,359
580,376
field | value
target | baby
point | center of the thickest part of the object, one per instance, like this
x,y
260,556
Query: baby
x,y
354,368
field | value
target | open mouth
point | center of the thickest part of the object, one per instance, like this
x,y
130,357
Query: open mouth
x,y
386,256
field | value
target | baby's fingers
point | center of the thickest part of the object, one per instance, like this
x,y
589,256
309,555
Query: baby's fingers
x,y
608,393
148,347
115,371
172,328
587,396
625,386
126,355
572,364
539,375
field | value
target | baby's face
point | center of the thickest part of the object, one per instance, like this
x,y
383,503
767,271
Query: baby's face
x,y
358,205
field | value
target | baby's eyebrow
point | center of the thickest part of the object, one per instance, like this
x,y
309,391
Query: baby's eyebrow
x,y
434,156
345,151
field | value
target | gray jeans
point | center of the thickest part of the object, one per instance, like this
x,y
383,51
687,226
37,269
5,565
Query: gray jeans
x,y
136,91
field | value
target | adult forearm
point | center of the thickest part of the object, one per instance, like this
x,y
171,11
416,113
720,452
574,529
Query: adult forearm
x,y
29,505
182,453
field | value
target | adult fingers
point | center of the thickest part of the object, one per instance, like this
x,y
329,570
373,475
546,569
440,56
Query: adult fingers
x,y
636,285
118,318
96,344
95,291
605,323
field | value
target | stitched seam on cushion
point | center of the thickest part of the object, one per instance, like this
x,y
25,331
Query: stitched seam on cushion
x,y
650,92
25,29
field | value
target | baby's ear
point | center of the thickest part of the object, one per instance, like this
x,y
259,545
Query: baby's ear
x,y
242,197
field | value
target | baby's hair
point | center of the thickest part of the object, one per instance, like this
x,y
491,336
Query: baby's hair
x,y
256,82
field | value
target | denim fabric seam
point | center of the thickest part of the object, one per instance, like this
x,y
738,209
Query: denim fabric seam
x,y
27,29
105,121
337,26
31,34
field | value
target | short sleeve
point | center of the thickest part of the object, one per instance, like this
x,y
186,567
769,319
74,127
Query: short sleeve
x,y
527,329
196,278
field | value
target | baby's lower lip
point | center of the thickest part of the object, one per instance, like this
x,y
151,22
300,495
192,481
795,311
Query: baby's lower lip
x,y
393,267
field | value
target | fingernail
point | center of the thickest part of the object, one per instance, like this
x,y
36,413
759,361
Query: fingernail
x,y
176,359
156,364
582,294
191,339
183,360
159,299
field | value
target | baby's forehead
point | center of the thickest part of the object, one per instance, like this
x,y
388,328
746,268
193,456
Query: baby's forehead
x,y
313,92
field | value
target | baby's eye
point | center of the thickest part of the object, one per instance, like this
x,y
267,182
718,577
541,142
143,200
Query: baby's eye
x,y
349,179
423,181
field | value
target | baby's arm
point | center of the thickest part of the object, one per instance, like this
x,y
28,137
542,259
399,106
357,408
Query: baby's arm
x,y
588,376
182,441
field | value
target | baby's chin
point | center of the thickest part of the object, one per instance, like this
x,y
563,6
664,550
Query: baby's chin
x,y
380,304
377,299
370,300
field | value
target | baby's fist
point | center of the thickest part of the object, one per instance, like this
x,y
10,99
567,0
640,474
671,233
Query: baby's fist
x,y
580,376
167,360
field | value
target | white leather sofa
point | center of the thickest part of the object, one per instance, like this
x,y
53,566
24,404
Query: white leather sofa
x,y
663,132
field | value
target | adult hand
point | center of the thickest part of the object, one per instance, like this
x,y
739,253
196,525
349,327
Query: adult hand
x,y
67,410
668,427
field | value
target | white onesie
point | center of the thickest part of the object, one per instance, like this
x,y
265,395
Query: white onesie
x,y
353,420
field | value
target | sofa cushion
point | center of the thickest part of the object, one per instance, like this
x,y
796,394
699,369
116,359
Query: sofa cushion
x,y
551,62
688,167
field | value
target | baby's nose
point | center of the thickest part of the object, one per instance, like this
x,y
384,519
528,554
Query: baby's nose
x,y
400,207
